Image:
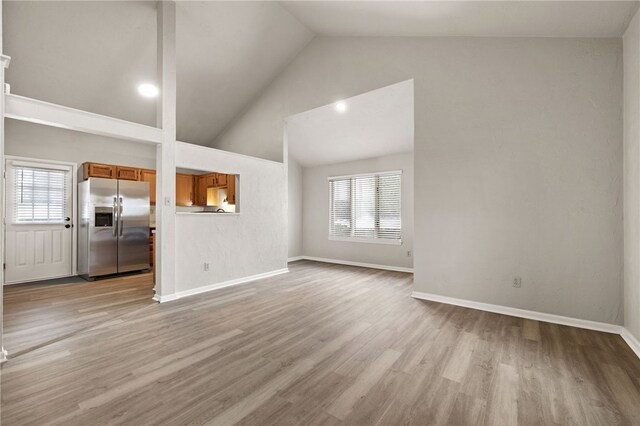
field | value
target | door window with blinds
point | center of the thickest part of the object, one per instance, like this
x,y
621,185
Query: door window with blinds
x,y
366,208
39,194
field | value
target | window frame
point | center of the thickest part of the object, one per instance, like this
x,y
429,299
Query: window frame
x,y
34,202
44,165
368,240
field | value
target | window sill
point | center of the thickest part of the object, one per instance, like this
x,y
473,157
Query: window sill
x,y
367,240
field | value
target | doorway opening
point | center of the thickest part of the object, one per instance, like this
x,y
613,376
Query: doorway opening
x,y
350,180
45,298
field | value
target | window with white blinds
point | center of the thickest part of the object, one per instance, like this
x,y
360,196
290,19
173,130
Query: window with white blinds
x,y
40,195
366,208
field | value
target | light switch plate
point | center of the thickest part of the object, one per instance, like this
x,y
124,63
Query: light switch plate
x,y
167,201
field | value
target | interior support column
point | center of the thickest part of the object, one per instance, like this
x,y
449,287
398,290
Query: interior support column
x,y
4,63
165,154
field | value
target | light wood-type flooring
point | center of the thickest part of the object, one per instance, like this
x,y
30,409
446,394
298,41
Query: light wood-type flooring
x,y
323,344
36,314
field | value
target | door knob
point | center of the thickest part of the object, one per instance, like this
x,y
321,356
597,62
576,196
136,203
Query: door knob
x,y
67,219
67,226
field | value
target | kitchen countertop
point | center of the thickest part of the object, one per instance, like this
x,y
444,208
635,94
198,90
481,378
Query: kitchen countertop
x,y
208,213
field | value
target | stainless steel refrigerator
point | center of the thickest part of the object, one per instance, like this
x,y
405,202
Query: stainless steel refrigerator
x,y
114,227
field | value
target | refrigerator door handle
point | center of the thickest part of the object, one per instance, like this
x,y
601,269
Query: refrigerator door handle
x,y
120,217
115,216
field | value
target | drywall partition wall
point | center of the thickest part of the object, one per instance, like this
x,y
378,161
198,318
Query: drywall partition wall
x,y
631,42
236,246
51,143
315,209
294,208
517,159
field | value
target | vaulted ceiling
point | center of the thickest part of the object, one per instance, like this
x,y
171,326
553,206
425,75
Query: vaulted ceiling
x,y
465,18
85,55
91,55
373,124
227,54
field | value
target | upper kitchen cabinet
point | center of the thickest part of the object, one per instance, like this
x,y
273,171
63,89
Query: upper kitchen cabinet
x,y
109,171
214,179
221,180
126,173
184,189
231,189
150,176
106,171
201,190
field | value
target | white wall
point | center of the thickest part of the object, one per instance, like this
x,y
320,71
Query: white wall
x,y
294,209
631,43
517,158
251,242
315,191
50,143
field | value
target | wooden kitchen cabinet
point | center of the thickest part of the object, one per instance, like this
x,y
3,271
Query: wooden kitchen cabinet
x,y
216,180
151,249
109,171
126,173
184,190
106,171
150,176
201,190
221,180
231,189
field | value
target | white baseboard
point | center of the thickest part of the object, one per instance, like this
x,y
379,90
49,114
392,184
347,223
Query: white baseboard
x,y
162,299
3,355
293,259
522,313
211,287
631,340
350,263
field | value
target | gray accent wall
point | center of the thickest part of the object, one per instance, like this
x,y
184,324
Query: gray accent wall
x,y
517,158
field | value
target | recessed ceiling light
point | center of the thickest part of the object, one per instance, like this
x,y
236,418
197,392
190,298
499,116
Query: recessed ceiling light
x,y
148,90
341,106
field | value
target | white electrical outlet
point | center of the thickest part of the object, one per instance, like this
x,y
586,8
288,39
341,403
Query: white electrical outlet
x,y
206,266
517,282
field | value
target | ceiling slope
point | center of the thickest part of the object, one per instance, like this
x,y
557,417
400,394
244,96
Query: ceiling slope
x,y
374,124
465,18
91,55
228,52
85,55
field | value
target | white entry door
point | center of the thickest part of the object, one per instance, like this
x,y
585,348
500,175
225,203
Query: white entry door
x,y
39,233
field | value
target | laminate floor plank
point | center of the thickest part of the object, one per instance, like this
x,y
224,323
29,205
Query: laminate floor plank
x,y
324,344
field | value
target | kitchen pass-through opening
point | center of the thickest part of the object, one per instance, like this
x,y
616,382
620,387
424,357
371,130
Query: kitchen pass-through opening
x,y
205,191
